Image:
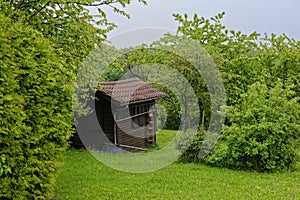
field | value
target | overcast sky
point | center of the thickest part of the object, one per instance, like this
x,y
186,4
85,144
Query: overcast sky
x,y
271,16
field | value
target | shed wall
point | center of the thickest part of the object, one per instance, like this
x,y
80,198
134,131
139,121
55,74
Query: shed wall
x,y
131,129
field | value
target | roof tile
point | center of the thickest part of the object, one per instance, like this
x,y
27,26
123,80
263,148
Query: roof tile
x,y
130,90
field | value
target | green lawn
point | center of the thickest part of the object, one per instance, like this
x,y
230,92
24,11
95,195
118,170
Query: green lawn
x,y
84,177
163,137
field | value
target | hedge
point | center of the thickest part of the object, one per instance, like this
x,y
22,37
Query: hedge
x,y
35,112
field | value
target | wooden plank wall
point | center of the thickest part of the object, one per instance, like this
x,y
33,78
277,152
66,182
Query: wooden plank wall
x,y
133,136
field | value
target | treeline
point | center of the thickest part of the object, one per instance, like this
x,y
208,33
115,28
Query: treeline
x,y
261,76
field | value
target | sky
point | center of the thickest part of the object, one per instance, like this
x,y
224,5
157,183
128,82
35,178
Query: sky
x,y
262,16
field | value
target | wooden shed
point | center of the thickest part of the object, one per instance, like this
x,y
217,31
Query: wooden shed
x,y
126,112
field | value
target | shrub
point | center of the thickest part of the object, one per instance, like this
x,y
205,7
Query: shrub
x,y
35,112
189,144
264,131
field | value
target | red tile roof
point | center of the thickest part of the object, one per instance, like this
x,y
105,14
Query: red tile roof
x,y
130,90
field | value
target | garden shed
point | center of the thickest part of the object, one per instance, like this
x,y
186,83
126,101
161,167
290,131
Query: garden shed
x,y
127,114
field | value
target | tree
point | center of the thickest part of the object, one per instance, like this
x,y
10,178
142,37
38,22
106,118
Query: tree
x,y
280,57
213,35
244,59
247,61
69,24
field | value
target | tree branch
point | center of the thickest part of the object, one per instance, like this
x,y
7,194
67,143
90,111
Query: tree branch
x,y
43,7
90,4
20,4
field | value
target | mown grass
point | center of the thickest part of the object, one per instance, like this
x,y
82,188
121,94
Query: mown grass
x,y
163,138
84,177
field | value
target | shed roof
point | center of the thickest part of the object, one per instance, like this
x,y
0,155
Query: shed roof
x,y
131,90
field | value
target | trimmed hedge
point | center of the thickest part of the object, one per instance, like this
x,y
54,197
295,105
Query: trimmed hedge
x,y
35,112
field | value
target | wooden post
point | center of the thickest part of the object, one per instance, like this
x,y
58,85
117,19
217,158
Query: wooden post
x,y
115,133
202,123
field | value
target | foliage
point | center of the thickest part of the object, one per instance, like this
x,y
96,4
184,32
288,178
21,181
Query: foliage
x,y
95,67
230,49
264,131
190,146
75,27
112,74
42,46
213,34
161,63
277,57
69,24
238,74
244,59
172,109
85,178
35,112
280,56
246,62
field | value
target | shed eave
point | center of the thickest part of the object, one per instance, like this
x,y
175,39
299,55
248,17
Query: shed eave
x,y
140,101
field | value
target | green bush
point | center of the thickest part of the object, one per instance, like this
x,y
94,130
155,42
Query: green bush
x,y
264,131
190,144
35,112
173,111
